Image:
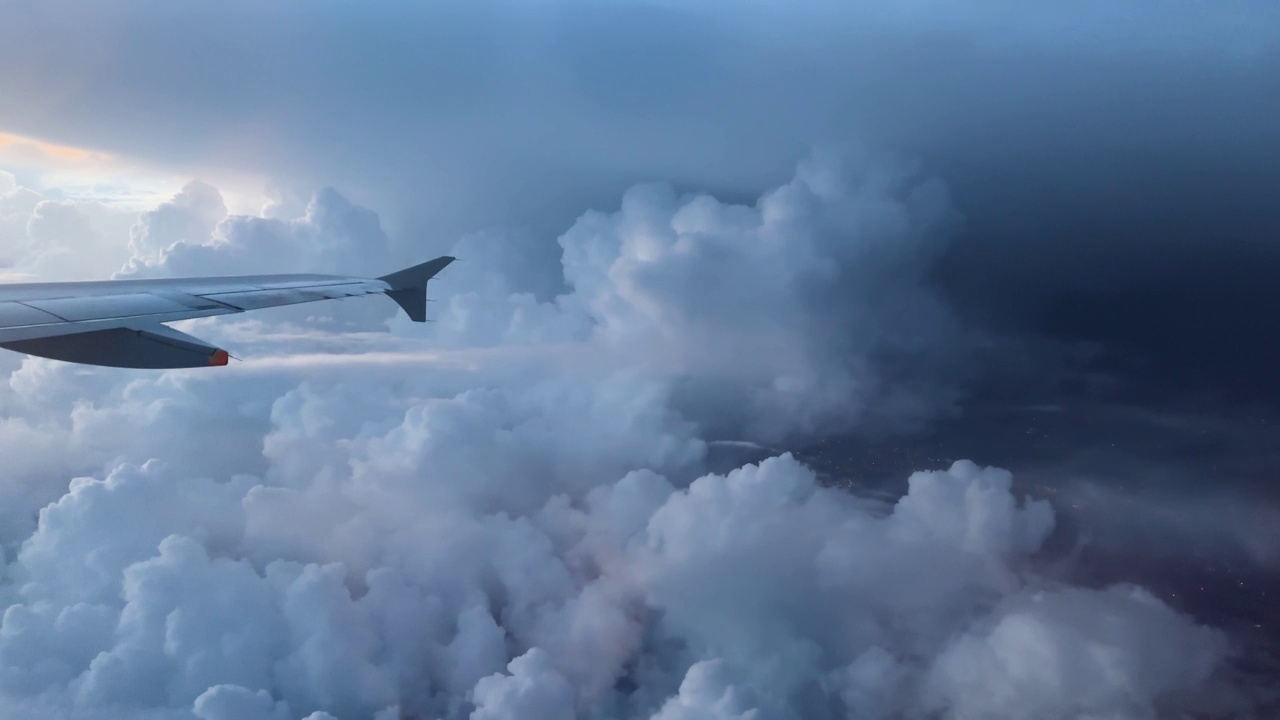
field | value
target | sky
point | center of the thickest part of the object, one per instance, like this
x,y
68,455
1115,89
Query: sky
x,y
804,360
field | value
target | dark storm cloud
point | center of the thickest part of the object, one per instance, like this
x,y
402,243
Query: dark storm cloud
x,y
1115,162
536,108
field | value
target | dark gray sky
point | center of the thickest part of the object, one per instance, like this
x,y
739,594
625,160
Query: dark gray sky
x,y
1115,163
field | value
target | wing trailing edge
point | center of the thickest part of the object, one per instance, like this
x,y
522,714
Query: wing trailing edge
x,y
150,347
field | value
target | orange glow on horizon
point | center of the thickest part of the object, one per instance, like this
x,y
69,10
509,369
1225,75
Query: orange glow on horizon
x,y
99,175
46,149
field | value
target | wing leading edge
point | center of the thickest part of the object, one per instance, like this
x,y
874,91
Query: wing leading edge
x,y
119,323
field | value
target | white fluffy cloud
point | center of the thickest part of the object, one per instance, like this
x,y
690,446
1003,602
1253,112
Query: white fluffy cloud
x,y
50,239
522,524
188,218
1073,653
193,234
756,594
804,310
533,689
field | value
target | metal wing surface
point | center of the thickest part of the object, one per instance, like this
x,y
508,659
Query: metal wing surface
x,y
120,322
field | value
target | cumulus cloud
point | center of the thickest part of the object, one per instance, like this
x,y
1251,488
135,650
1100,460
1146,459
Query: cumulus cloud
x,y
533,689
44,237
537,533
758,593
1074,653
193,234
802,310
188,218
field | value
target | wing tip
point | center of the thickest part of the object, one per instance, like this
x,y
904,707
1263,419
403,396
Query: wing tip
x,y
417,275
408,287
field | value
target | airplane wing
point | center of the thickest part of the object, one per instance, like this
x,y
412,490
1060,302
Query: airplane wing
x,y
120,323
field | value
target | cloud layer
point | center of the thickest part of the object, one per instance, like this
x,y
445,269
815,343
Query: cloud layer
x,y
522,521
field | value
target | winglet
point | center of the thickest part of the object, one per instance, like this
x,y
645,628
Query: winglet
x,y
409,286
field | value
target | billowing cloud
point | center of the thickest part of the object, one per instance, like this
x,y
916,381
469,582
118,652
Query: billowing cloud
x,y
802,310
1071,654
533,689
188,219
753,592
531,528
523,510
193,234
58,239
